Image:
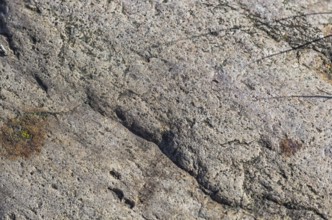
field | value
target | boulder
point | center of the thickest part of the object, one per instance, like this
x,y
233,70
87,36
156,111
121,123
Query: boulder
x,y
126,109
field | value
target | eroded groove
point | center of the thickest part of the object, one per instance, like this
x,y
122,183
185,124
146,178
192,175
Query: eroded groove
x,y
41,83
121,196
138,130
168,147
292,206
118,192
96,103
134,127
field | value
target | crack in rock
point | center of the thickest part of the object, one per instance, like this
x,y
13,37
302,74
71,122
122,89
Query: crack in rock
x,y
168,146
292,206
41,83
4,30
120,194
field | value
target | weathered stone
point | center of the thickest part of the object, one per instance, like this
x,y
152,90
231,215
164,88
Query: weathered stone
x,y
167,109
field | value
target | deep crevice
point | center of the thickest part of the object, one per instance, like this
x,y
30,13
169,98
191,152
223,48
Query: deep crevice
x,y
129,203
168,147
134,127
41,83
120,194
120,114
115,174
4,30
96,103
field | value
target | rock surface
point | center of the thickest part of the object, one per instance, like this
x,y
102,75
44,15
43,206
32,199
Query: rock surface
x,y
165,109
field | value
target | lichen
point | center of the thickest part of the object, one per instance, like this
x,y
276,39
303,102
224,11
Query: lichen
x,y
22,136
26,135
289,147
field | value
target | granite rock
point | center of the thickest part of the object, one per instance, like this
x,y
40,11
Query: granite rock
x,y
165,109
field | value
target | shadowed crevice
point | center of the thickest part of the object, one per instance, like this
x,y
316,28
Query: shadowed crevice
x,y
169,147
121,196
4,30
41,83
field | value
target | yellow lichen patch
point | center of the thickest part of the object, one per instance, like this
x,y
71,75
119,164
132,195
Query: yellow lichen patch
x,y
22,136
25,134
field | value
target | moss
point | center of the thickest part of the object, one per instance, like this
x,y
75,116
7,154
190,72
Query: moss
x,y
22,136
26,135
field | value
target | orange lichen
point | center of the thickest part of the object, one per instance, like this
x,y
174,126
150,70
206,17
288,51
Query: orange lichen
x,y
22,136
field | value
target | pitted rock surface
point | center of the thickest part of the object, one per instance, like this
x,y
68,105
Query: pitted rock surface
x,y
167,109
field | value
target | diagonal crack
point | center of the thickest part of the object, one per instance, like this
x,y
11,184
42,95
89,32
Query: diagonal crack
x,y
168,146
292,206
294,48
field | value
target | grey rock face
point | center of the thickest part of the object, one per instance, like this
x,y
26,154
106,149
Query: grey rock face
x,y
165,109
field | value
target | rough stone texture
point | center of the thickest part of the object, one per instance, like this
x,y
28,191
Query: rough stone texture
x,y
168,109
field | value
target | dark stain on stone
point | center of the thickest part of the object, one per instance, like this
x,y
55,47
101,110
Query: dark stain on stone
x,y
289,147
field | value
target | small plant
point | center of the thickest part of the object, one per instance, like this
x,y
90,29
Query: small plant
x,y
26,135
22,136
